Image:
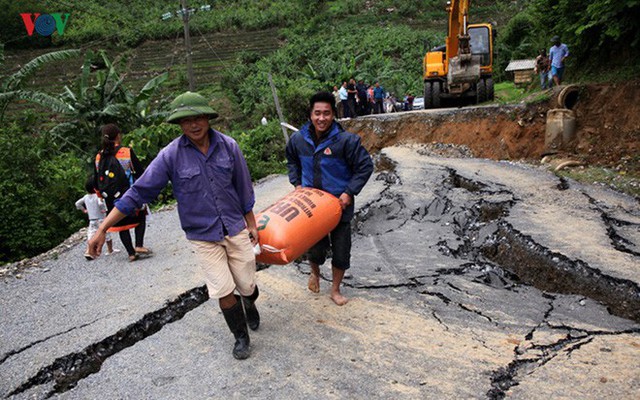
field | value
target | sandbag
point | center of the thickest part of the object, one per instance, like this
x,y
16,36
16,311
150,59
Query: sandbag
x,y
294,223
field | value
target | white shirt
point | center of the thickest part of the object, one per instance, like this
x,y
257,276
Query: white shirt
x,y
96,209
343,93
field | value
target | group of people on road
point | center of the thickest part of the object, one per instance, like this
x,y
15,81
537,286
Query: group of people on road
x,y
357,99
113,159
550,65
215,196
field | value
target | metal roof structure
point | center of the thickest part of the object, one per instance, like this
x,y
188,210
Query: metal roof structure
x,y
521,65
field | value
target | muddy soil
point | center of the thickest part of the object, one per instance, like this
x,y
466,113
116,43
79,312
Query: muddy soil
x,y
608,128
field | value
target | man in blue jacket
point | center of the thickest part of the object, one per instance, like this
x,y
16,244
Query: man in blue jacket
x,y
324,156
378,95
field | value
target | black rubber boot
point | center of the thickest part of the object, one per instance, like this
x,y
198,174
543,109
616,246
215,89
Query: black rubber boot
x,y
238,325
253,317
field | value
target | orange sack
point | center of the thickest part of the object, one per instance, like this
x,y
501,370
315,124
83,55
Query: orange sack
x,y
294,223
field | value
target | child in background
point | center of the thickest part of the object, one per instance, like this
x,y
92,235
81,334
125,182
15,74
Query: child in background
x,y
96,209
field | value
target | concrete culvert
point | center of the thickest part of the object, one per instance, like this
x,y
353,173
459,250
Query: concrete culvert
x,y
566,96
560,130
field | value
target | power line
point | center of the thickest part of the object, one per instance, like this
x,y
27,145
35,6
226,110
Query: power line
x,y
211,47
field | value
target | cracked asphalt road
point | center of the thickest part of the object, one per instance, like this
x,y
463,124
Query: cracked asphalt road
x,y
470,279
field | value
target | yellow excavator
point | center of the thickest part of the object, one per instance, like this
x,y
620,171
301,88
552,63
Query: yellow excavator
x,y
462,68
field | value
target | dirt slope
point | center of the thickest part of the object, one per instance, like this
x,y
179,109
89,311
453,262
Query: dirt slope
x,y
608,128
609,124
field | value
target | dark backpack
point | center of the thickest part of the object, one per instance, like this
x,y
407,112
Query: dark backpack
x,y
111,179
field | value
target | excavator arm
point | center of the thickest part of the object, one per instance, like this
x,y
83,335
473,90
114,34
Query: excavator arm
x,y
463,68
458,37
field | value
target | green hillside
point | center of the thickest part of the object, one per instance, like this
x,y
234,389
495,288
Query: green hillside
x,y
51,106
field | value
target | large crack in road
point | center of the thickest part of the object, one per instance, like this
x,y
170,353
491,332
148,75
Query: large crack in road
x,y
445,244
484,238
474,229
66,371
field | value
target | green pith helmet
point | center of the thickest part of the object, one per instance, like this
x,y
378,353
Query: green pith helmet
x,y
190,104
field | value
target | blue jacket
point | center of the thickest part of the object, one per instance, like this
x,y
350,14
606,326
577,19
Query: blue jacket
x,y
339,164
378,93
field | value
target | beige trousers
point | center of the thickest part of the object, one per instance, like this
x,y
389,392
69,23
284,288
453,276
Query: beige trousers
x,y
227,265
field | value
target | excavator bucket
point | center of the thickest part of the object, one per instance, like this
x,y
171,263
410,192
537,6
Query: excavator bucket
x,y
464,68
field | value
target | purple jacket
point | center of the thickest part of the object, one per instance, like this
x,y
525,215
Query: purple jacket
x,y
211,190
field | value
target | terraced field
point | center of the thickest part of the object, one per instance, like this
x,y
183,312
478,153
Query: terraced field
x,y
211,54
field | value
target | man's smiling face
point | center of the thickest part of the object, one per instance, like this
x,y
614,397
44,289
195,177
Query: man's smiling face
x,y
321,117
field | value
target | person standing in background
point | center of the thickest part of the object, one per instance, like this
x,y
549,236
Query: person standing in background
x,y
96,210
112,146
344,100
336,95
542,69
378,97
363,104
557,54
352,97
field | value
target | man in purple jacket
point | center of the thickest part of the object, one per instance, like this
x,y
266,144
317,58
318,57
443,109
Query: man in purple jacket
x,y
212,185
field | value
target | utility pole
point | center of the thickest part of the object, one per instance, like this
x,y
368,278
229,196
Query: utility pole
x,y
275,100
187,42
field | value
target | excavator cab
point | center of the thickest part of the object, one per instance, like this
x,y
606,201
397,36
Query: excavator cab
x,y
481,45
482,39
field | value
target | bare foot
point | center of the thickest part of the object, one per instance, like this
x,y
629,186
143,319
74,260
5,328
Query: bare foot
x,y
314,283
338,298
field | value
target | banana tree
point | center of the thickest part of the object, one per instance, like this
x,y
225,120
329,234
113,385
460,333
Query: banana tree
x,y
13,87
97,100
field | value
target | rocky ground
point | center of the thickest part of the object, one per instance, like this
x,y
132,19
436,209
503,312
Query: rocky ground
x,y
471,278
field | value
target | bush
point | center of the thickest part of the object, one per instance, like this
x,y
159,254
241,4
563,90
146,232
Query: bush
x,y
37,195
147,141
317,59
514,43
263,149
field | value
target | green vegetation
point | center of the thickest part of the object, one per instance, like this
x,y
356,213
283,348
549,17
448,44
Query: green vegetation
x,y
602,35
38,189
49,131
263,148
391,54
99,101
507,92
13,87
619,180
44,169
